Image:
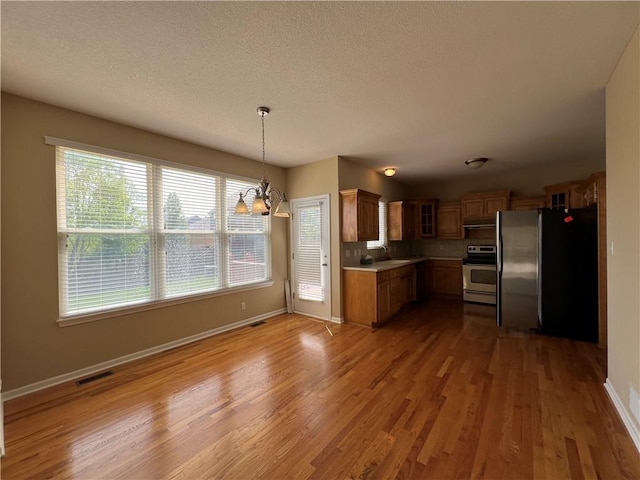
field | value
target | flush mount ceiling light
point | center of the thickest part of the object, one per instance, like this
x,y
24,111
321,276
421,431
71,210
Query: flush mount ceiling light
x,y
476,163
265,194
389,171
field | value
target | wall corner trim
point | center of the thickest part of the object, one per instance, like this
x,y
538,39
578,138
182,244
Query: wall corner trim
x,y
93,369
633,430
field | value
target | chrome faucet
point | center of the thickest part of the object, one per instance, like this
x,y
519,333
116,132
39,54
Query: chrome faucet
x,y
385,255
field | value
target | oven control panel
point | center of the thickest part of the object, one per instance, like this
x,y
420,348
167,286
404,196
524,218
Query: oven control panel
x,y
481,249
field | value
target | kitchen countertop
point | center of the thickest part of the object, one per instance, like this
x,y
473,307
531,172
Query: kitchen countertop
x,y
387,264
395,263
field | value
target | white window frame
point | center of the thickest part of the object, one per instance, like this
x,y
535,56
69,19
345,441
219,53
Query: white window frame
x,y
383,209
157,236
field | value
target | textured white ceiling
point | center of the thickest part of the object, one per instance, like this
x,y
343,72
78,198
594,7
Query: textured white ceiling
x,y
421,86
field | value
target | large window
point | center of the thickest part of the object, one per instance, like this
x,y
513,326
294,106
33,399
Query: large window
x,y
137,231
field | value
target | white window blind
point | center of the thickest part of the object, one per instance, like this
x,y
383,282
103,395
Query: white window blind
x,y
190,238
134,232
246,241
382,226
308,254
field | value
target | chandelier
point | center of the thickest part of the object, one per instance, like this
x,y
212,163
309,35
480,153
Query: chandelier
x,y
265,194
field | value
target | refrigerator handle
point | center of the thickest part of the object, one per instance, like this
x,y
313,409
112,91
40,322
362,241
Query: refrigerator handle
x,y
498,244
498,270
539,272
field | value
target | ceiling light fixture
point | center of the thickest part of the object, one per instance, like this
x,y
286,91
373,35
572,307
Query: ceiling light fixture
x,y
476,163
389,171
265,194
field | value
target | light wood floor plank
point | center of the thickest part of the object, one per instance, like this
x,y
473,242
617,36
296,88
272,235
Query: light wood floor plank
x,y
439,392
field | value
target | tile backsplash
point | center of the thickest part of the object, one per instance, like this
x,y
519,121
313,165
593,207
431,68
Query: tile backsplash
x,y
350,253
447,248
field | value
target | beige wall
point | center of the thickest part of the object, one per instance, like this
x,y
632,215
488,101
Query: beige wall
x,y
525,182
321,178
352,175
623,226
34,348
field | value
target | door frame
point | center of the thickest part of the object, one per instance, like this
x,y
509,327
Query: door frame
x,y
326,251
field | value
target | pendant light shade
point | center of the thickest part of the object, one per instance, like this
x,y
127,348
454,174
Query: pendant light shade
x,y
241,207
283,209
259,206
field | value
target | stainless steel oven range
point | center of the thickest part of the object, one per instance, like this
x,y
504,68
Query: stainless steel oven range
x,y
479,274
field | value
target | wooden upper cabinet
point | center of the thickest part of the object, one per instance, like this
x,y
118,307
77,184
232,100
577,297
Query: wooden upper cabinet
x,y
449,220
562,195
473,208
591,188
402,220
527,203
483,206
426,211
360,220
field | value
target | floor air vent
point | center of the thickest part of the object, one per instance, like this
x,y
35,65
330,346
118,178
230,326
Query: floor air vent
x,y
92,378
256,324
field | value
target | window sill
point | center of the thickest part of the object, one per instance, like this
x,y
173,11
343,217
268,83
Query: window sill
x,y
119,312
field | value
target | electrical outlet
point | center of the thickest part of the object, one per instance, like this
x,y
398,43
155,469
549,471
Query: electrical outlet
x,y
347,253
612,248
243,306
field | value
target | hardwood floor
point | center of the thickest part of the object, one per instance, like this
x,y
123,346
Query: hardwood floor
x,y
440,392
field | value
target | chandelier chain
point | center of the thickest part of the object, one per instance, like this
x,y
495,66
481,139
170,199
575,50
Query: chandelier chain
x,y
264,169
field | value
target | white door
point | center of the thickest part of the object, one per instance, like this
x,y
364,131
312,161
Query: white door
x,y
311,260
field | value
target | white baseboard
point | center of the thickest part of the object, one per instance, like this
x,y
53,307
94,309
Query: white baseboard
x,y
624,414
34,387
337,320
318,317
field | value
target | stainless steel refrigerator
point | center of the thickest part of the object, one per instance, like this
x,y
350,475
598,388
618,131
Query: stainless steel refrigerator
x,y
547,267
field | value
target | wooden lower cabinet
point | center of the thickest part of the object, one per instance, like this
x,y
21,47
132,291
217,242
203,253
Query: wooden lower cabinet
x,y
372,298
444,278
384,302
